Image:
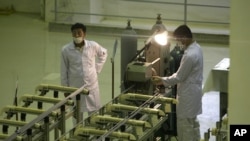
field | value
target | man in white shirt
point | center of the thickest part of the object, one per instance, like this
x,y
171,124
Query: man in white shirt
x,y
81,61
188,78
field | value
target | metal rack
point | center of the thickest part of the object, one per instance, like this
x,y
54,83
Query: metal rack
x,y
129,116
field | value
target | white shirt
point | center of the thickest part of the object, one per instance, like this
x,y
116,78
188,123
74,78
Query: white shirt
x,y
80,69
189,82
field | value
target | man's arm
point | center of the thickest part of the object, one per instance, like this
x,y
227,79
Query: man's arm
x,y
101,58
64,70
182,73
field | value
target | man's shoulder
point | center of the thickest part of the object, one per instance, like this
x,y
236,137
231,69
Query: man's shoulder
x,y
90,42
68,46
93,44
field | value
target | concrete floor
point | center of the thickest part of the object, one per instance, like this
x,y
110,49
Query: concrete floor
x,y
30,55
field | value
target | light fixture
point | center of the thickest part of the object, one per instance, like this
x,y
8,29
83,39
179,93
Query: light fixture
x,y
161,38
160,34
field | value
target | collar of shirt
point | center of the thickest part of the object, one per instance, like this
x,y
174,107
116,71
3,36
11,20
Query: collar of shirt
x,y
80,48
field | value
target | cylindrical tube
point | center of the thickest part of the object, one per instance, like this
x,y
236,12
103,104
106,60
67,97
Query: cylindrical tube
x,y
108,119
128,50
59,88
97,132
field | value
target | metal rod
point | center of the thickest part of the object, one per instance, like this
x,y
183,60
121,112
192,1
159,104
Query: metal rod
x,y
113,77
56,129
46,129
29,134
15,100
42,87
175,3
23,109
63,124
4,136
121,107
140,51
12,122
78,109
43,115
92,131
113,68
136,97
141,107
135,17
108,119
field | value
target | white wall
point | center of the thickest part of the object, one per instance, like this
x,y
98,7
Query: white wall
x,y
96,6
170,11
69,11
131,8
239,79
66,11
29,6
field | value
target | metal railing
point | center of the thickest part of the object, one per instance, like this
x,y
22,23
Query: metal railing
x,y
185,5
26,131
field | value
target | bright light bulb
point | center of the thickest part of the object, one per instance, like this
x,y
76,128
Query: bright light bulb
x,y
161,38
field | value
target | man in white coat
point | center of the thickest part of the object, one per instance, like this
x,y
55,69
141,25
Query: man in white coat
x,y
188,78
81,61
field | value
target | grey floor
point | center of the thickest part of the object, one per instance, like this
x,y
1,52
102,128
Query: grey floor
x,y
30,55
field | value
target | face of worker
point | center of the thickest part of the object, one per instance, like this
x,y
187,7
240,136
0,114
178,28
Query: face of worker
x,y
78,35
182,42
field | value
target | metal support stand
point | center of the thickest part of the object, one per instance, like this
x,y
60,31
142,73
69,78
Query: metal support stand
x,y
29,134
78,109
56,131
46,129
63,125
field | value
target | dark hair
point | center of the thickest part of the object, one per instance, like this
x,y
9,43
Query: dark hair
x,y
78,25
183,31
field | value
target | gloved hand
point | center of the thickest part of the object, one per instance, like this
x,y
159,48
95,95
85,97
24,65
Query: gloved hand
x,y
157,80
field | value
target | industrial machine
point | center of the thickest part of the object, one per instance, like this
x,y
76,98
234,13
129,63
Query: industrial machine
x,y
117,120
220,131
155,58
142,112
41,119
137,67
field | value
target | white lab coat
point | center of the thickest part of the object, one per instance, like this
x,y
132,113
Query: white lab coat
x,y
80,69
189,82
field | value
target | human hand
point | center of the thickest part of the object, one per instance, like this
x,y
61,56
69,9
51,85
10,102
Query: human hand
x,y
156,80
